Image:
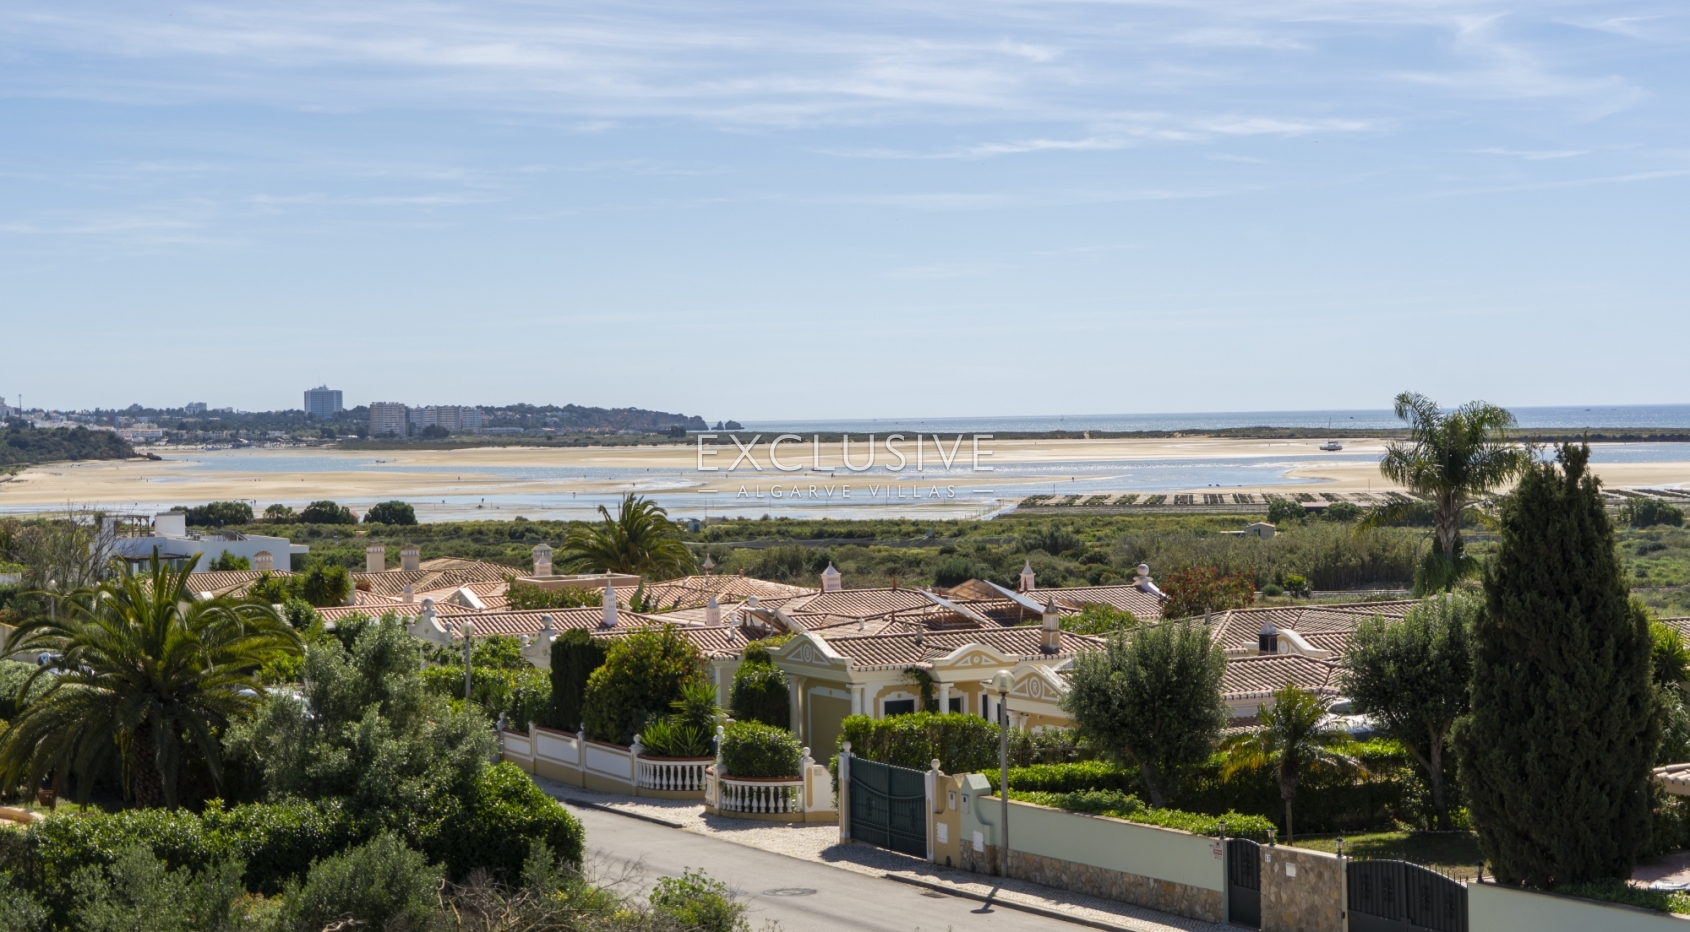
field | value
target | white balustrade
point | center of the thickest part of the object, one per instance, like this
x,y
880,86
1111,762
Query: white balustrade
x,y
760,796
674,775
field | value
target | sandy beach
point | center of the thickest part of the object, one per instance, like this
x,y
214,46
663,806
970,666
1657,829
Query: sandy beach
x,y
508,480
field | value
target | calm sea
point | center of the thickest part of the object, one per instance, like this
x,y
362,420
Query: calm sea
x,y
1552,417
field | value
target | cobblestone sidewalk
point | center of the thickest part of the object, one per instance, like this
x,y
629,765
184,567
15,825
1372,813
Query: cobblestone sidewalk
x,y
821,843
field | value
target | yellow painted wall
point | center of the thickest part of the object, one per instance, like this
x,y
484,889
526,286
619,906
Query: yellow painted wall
x,y
827,713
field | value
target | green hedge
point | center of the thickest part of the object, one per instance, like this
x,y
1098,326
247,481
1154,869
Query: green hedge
x,y
494,826
753,749
277,841
643,675
961,743
1129,808
761,693
575,655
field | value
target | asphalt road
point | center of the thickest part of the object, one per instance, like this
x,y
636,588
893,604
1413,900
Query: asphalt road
x,y
802,896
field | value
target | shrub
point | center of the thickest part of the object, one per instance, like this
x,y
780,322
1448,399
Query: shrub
x,y
12,677
377,885
277,841
752,749
1284,511
494,825
228,561
668,738
1099,618
1648,512
325,512
1198,589
575,655
1342,511
1297,585
394,512
960,742
1615,890
20,911
761,693
698,902
136,891
324,586
529,597
1122,806
1070,778
643,675
954,571
1272,589
220,514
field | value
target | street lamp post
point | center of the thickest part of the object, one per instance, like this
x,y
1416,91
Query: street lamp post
x,y
1001,683
469,632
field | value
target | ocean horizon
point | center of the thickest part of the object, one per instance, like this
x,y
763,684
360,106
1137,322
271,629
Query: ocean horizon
x,y
1594,417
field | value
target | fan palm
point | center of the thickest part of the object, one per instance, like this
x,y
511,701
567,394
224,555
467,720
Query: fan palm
x,y
140,675
1453,459
640,540
1291,739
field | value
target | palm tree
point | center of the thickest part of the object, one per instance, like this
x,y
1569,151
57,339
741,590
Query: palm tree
x,y
1452,459
1291,738
639,540
141,673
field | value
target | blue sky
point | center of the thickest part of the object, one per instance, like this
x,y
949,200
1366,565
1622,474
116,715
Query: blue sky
x,y
860,209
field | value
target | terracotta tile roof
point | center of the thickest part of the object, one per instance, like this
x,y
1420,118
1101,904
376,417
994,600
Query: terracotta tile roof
x,y
1681,625
1147,606
696,590
1258,677
1327,627
858,603
432,575
227,582
867,652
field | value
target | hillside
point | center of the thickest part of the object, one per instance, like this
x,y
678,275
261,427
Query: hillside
x,y
29,446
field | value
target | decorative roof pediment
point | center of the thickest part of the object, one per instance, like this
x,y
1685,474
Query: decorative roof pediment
x,y
975,656
806,648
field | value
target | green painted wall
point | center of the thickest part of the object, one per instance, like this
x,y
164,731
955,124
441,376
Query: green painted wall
x,y
1491,908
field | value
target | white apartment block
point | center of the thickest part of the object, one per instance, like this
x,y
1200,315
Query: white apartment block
x,y
387,417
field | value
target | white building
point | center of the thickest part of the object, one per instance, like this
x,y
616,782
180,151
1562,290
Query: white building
x,y
323,402
175,545
387,417
452,417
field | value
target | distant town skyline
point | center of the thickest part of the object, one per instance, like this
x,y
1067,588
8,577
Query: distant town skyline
x,y
847,210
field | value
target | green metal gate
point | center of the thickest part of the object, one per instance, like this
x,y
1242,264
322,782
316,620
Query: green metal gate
x,y
889,806
1397,896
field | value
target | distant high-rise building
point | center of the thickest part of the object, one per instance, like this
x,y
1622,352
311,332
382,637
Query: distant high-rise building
x,y
386,417
323,402
451,417
194,407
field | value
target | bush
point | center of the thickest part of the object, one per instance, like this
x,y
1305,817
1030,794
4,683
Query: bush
x,y
752,749
697,902
12,677
324,586
1342,511
220,514
1648,512
136,892
394,512
668,738
1071,778
1099,618
495,824
228,561
643,675
382,884
20,911
960,742
575,655
1284,511
1297,585
954,571
1130,808
1618,891
761,693
529,597
1198,589
324,512
277,841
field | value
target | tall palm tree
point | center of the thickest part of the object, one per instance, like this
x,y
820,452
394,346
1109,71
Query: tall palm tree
x,y
1453,459
140,673
639,540
1291,739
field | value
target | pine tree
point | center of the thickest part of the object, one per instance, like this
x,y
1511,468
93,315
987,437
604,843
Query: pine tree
x,y
1555,754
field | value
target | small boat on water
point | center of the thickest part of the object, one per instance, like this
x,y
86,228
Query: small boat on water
x,y
1331,446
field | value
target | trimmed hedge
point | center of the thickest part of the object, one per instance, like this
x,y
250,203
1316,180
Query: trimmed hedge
x,y
753,749
960,742
1129,808
761,693
575,655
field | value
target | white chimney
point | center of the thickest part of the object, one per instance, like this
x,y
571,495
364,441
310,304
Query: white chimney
x,y
263,562
1052,641
709,564
609,605
408,593
830,578
712,612
375,558
170,524
1027,577
543,560
410,558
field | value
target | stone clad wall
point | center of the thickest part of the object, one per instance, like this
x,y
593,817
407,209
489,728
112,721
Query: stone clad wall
x,y
1302,891
1164,895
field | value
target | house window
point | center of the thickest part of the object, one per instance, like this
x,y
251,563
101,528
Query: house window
x,y
898,707
956,704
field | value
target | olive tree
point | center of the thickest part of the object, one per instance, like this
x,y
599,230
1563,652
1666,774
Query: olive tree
x,y
1152,698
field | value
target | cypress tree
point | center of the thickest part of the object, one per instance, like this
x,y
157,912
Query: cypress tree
x,y
1556,752
575,655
